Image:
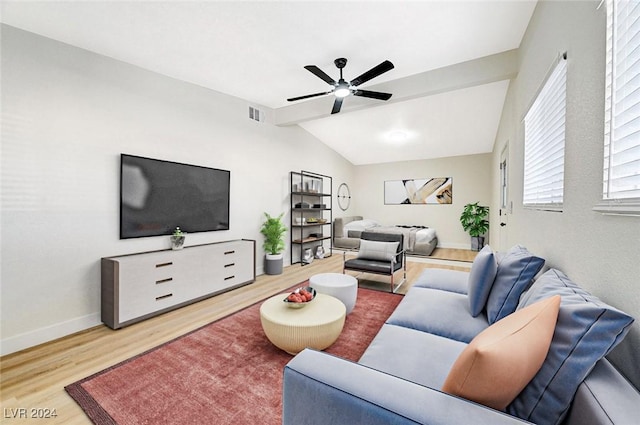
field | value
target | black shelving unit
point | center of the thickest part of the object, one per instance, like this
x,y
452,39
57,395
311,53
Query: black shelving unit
x,y
311,215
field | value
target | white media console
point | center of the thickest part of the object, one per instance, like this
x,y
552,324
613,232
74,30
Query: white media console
x,y
138,286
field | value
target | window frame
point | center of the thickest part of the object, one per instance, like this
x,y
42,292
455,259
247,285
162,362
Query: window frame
x,y
612,204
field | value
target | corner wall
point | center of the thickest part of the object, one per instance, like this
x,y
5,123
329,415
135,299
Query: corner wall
x,y
67,114
600,253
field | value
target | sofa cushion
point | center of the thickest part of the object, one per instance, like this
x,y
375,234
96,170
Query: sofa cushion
x,y
378,251
438,312
587,330
417,356
515,272
483,272
443,279
502,359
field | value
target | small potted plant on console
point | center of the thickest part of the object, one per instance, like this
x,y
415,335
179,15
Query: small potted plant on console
x,y
474,220
177,239
273,230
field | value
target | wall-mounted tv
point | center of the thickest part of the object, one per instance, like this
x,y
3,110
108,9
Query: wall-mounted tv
x,y
157,196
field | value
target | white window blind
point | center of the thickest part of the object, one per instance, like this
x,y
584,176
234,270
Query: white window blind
x,y
622,103
544,126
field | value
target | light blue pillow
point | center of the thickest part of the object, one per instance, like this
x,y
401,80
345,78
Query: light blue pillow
x,y
515,272
483,272
587,330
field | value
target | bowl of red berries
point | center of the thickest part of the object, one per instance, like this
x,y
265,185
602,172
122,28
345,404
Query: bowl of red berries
x,y
300,297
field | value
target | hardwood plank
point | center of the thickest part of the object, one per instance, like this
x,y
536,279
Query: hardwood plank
x,y
35,378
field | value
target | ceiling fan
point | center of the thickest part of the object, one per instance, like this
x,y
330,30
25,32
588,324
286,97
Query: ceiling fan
x,y
342,88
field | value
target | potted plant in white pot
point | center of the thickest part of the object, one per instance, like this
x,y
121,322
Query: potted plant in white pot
x,y
273,230
474,221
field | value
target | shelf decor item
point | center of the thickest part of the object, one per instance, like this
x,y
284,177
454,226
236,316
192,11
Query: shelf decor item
x,y
474,221
177,239
273,230
307,257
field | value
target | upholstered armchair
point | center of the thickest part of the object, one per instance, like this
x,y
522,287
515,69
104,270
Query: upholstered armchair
x,y
380,253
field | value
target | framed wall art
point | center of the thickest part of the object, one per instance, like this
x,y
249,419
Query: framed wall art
x,y
436,190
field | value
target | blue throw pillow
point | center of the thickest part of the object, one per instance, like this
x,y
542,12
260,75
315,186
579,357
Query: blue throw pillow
x,y
483,272
587,330
515,272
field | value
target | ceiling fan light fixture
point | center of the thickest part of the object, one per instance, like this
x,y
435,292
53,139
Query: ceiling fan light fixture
x,y
342,91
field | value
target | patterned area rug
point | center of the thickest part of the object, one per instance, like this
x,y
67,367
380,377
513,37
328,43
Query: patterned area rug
x,y
226,372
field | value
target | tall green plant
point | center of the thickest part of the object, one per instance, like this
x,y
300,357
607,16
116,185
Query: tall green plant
x,y
273,230
474,219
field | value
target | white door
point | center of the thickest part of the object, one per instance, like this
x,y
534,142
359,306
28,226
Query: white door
x,y
505,203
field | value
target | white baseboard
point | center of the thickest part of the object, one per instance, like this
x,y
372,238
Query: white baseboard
x,y
48,333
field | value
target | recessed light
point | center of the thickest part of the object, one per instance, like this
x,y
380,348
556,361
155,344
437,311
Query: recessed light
x,y
397,136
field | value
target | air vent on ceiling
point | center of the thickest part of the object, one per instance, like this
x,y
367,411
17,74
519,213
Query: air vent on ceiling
x,y
256,114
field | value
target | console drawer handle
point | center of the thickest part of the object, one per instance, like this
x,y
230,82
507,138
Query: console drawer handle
x,y
164,280
229,252
229,277
164,264
163,297
230,265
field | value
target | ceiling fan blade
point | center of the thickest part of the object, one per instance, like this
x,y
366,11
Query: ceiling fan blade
x,y
372,73
320,74
373,94
307,96
337,105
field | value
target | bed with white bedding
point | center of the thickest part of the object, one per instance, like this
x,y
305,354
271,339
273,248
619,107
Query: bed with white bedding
x,y
418,240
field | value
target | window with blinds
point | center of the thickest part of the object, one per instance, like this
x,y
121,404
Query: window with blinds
x,y
621,182
544,126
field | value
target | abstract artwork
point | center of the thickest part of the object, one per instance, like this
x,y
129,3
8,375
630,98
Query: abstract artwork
x,y
437,190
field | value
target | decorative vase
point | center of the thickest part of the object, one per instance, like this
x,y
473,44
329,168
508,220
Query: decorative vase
x,y
307,257
177,242
319,252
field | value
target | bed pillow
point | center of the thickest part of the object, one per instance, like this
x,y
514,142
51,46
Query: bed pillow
x,y
501,360
483,272
587,330
360,225
516,271
375,250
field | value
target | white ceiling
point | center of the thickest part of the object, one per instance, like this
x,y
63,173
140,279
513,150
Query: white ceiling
x,y
257,50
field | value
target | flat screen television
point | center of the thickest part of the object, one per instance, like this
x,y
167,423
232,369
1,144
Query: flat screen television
x,y
157,196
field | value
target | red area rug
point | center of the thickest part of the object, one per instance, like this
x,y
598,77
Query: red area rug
x,y
226,372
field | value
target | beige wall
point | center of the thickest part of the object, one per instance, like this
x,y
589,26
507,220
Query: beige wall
x,y
471,183
599,252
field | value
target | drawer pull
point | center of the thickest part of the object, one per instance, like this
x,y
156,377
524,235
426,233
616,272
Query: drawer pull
x,y
164,264
229,252
229,265
229,277
164,280
161,297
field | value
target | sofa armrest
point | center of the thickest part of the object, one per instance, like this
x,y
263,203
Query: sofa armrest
x,y
321,389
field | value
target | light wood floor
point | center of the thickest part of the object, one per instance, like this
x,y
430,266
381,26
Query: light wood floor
x,y
35,378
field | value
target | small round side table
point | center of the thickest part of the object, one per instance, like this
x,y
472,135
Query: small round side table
x,y
342,286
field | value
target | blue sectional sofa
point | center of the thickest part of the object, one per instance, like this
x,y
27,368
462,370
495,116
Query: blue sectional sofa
x,y
411,371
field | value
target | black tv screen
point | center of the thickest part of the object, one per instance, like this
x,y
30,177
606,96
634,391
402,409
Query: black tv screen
x,y
157,196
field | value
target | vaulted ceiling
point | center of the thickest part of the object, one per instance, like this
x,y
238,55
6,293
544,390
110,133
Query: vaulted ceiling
x,y
453,61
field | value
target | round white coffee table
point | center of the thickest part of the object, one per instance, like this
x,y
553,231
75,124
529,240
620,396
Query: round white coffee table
x,y
316,325
342,286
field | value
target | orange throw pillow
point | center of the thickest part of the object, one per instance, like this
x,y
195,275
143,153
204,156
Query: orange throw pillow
x,y
501,360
